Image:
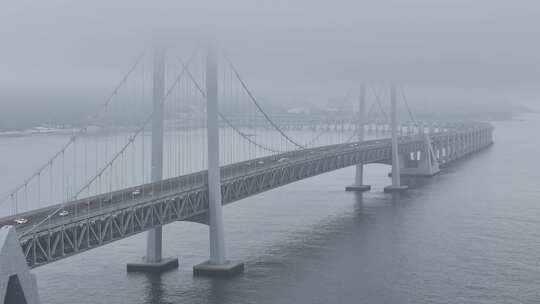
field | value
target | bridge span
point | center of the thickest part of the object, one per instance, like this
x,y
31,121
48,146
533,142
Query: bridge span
x,y
85,214
96,221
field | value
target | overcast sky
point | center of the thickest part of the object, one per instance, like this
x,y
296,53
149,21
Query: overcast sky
x,y
308,50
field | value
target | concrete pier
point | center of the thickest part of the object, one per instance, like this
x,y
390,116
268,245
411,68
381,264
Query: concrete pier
x,y
424,164
164,264
227,268
358,188
395,188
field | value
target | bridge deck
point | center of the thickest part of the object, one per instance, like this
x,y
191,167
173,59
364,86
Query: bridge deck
x,y
104,203
98,220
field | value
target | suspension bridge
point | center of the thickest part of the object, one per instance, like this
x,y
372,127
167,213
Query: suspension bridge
x,y
175,140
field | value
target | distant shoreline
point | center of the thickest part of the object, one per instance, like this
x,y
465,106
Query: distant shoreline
x,y
495,115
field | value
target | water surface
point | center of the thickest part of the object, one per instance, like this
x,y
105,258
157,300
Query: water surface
x,y
468,235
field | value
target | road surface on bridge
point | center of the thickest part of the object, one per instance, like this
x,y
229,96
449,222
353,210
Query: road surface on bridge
x,y
104,203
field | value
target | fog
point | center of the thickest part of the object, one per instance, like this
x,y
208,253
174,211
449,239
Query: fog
x,y
444,52
424,195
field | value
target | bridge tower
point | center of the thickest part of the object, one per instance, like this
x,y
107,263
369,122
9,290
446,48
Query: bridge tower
x,y
217,264
153,261
359,175
396,178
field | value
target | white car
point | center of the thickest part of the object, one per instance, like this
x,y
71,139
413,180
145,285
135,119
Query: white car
x,y
260,162
282,159
20,221
136,192
63,213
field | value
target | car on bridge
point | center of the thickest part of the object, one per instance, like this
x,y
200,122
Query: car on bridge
x,y
20,221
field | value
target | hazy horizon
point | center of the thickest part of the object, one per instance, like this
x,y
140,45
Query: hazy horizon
x,y
301,52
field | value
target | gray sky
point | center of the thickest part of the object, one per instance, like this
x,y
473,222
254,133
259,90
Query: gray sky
x,y
308,50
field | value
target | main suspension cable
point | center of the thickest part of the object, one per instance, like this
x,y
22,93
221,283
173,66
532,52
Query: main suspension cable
x,y
254,100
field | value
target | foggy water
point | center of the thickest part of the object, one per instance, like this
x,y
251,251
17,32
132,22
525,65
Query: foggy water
x,y
468,235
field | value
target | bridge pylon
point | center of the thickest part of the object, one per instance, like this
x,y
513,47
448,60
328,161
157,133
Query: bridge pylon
x,y
424,163
17,284
153,261
396,179
359,172
217,264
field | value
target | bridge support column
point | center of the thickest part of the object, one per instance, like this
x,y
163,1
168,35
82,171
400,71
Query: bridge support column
x,y
153,261
359,177
17,284
426,165
217,264
396,180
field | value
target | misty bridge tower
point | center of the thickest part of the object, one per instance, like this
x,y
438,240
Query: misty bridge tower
x,y
360,123
153,261
396,178
217,264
